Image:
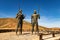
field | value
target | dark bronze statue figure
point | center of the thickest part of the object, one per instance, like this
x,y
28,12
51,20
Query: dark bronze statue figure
x,y
20,18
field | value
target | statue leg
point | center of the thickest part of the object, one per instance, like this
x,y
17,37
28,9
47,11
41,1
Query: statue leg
x,y
21,28
32,27
37,27
17,28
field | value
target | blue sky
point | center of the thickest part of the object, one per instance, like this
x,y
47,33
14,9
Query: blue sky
x,y
49,10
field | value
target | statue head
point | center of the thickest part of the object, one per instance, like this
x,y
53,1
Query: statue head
x,y
34,11
20,11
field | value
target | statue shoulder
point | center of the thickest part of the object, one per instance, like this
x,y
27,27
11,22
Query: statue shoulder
x,y
38,14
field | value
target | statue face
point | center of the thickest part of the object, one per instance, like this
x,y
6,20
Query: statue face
x,y
34,11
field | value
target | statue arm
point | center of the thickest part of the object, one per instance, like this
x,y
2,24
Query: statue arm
x,y
16,15
39,16
23,16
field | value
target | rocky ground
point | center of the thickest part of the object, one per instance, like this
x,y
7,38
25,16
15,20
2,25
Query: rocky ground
x,y
26,36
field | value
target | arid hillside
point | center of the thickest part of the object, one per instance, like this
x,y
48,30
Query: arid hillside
x,y
11,23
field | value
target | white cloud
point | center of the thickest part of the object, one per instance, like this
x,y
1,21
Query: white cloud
x,y
48,22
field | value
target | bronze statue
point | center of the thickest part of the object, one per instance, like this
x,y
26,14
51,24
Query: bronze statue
x,y
34,20
20,18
